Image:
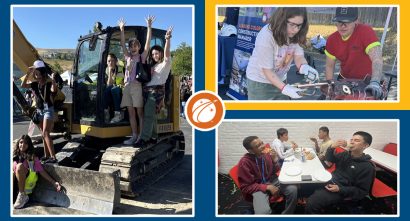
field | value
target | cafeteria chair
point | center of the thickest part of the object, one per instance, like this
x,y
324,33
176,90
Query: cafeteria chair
x,y
383,197
380,189
386,176
380,199
390,148
233,173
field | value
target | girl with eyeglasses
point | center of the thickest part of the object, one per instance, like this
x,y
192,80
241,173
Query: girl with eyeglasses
x,y
277,45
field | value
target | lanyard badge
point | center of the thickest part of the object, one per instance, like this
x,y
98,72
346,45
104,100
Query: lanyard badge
x,y
45,106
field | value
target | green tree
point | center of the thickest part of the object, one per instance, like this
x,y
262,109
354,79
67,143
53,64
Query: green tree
x,y
182,60
57,67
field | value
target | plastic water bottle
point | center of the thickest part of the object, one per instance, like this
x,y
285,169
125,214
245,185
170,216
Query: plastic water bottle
x,y
303,156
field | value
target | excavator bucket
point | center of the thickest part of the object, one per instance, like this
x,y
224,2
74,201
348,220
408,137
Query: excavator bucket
x,y
85,190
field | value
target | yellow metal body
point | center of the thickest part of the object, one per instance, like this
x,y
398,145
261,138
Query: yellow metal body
x,y
24,54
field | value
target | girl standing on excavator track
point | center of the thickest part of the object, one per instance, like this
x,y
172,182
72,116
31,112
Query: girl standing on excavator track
x,y
132,93
154,91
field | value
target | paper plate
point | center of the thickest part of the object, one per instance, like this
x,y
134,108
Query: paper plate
x,y
293,171
322,175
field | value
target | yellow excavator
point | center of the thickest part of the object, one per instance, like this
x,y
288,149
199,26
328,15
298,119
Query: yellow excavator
x,y
95,169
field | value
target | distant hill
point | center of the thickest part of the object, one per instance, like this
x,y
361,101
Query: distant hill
x,y
64,57
45,50
66,65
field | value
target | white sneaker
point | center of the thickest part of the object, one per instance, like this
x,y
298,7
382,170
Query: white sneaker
x,y
131,141
21,200
117,117
106,115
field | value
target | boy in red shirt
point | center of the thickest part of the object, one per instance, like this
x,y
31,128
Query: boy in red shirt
x,y
258,181
357,48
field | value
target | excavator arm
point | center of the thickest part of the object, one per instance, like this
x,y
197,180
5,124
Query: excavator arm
x,y
24,54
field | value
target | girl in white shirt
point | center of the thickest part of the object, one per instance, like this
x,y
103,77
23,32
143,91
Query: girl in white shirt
x,y
276,46
154,91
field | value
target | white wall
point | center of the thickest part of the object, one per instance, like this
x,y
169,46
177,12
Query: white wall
x,y
230,134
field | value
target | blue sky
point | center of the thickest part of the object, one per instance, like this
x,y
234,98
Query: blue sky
x,y
60,27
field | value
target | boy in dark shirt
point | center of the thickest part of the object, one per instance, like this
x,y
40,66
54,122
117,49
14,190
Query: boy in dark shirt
x,y
352,178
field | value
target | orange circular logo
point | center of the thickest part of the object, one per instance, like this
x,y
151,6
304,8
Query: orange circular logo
x,y
205,110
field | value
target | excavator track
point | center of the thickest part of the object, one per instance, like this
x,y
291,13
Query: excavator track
x,y
141,167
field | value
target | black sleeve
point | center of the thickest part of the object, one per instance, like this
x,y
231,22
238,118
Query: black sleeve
x,y
34,86
361,186
59,81
331,156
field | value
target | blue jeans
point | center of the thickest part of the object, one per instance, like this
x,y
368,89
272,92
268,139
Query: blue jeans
x,y
47,114
112,94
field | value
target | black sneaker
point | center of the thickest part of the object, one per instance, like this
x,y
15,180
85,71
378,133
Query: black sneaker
x,y
51,160
153,140
141,144
44,159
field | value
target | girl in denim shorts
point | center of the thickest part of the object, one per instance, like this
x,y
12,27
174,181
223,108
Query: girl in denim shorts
x,y
45,89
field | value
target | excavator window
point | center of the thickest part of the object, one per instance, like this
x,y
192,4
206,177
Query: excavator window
x,y
93,43
156,41
86,79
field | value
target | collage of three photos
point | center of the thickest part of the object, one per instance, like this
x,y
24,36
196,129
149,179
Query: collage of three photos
x,y
319,57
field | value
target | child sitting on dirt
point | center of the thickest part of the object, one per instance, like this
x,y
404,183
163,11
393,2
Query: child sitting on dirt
x,y
25,168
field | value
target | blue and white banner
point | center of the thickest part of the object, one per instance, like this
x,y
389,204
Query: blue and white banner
x,y
251,20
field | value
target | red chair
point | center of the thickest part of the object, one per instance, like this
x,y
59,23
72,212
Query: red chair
x,y
380,189
391,148
233,173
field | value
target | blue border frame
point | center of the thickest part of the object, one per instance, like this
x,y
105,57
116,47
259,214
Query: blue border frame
x,y
205,147
5,113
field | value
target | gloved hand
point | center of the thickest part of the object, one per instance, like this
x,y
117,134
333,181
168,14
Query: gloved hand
x,y
310,73
291,91
374,89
